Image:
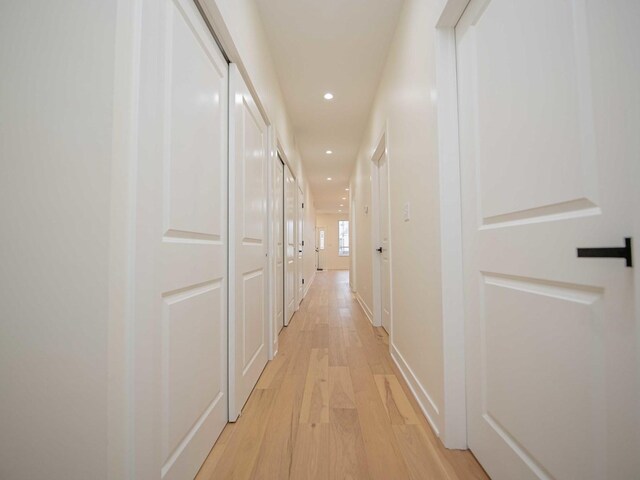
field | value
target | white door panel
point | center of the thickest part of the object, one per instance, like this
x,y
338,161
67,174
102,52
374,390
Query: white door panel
x,y
248,324
300,245
321,233
290,244
385,270
546,156
181,256
278,219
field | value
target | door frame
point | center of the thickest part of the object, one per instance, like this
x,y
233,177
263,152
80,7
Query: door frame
x,y
380,150
454,434
455,416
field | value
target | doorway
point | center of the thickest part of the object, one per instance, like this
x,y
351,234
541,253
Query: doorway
x,y
320,248
300,244
179,336
278,226
289,244
249,231
381,236
551,337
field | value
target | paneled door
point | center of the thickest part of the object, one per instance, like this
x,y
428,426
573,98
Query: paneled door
x,y
549,121
248,279
383,248
180,329
300,244
321,233
278,227
290,245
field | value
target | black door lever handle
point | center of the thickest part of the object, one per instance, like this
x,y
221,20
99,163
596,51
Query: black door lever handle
x,y
379,249
609,252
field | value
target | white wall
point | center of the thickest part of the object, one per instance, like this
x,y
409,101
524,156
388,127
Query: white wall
x,y
332,261
239,27
405,105
56,104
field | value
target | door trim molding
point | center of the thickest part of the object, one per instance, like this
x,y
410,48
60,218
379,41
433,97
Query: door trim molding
x,y
453,333
121,454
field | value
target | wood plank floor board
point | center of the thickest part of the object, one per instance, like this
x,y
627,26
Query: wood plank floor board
x,y
321,336
275,456
337,348
243,447
333,405
271,377
315,402
348,457
340,388
421,460
381,446
395,401
311,452
300,358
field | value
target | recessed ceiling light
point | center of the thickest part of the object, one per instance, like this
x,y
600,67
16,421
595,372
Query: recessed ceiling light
x,y
344,198
328,96
340,211
341,205
329,178
329,152
346,189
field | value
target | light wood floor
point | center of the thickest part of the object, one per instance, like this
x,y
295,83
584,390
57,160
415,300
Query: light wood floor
x,y
332,405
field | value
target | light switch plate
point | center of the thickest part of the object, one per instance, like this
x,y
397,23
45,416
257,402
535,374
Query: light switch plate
x,y
406,212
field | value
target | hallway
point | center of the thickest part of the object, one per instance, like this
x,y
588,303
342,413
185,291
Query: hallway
x,y
332,404
337,239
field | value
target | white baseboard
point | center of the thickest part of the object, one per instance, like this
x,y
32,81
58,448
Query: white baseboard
x,y
428,407
365,308
308,285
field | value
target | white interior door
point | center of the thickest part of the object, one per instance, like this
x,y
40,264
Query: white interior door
x,y
300,245
180,350
321,233
278,220
290,245
383,223
548,138
248,318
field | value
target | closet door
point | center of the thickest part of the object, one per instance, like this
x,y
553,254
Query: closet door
x,y
180,337
248,319
300,244
278,219
290,244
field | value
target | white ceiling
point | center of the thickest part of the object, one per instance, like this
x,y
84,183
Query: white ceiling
x,y
336,46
